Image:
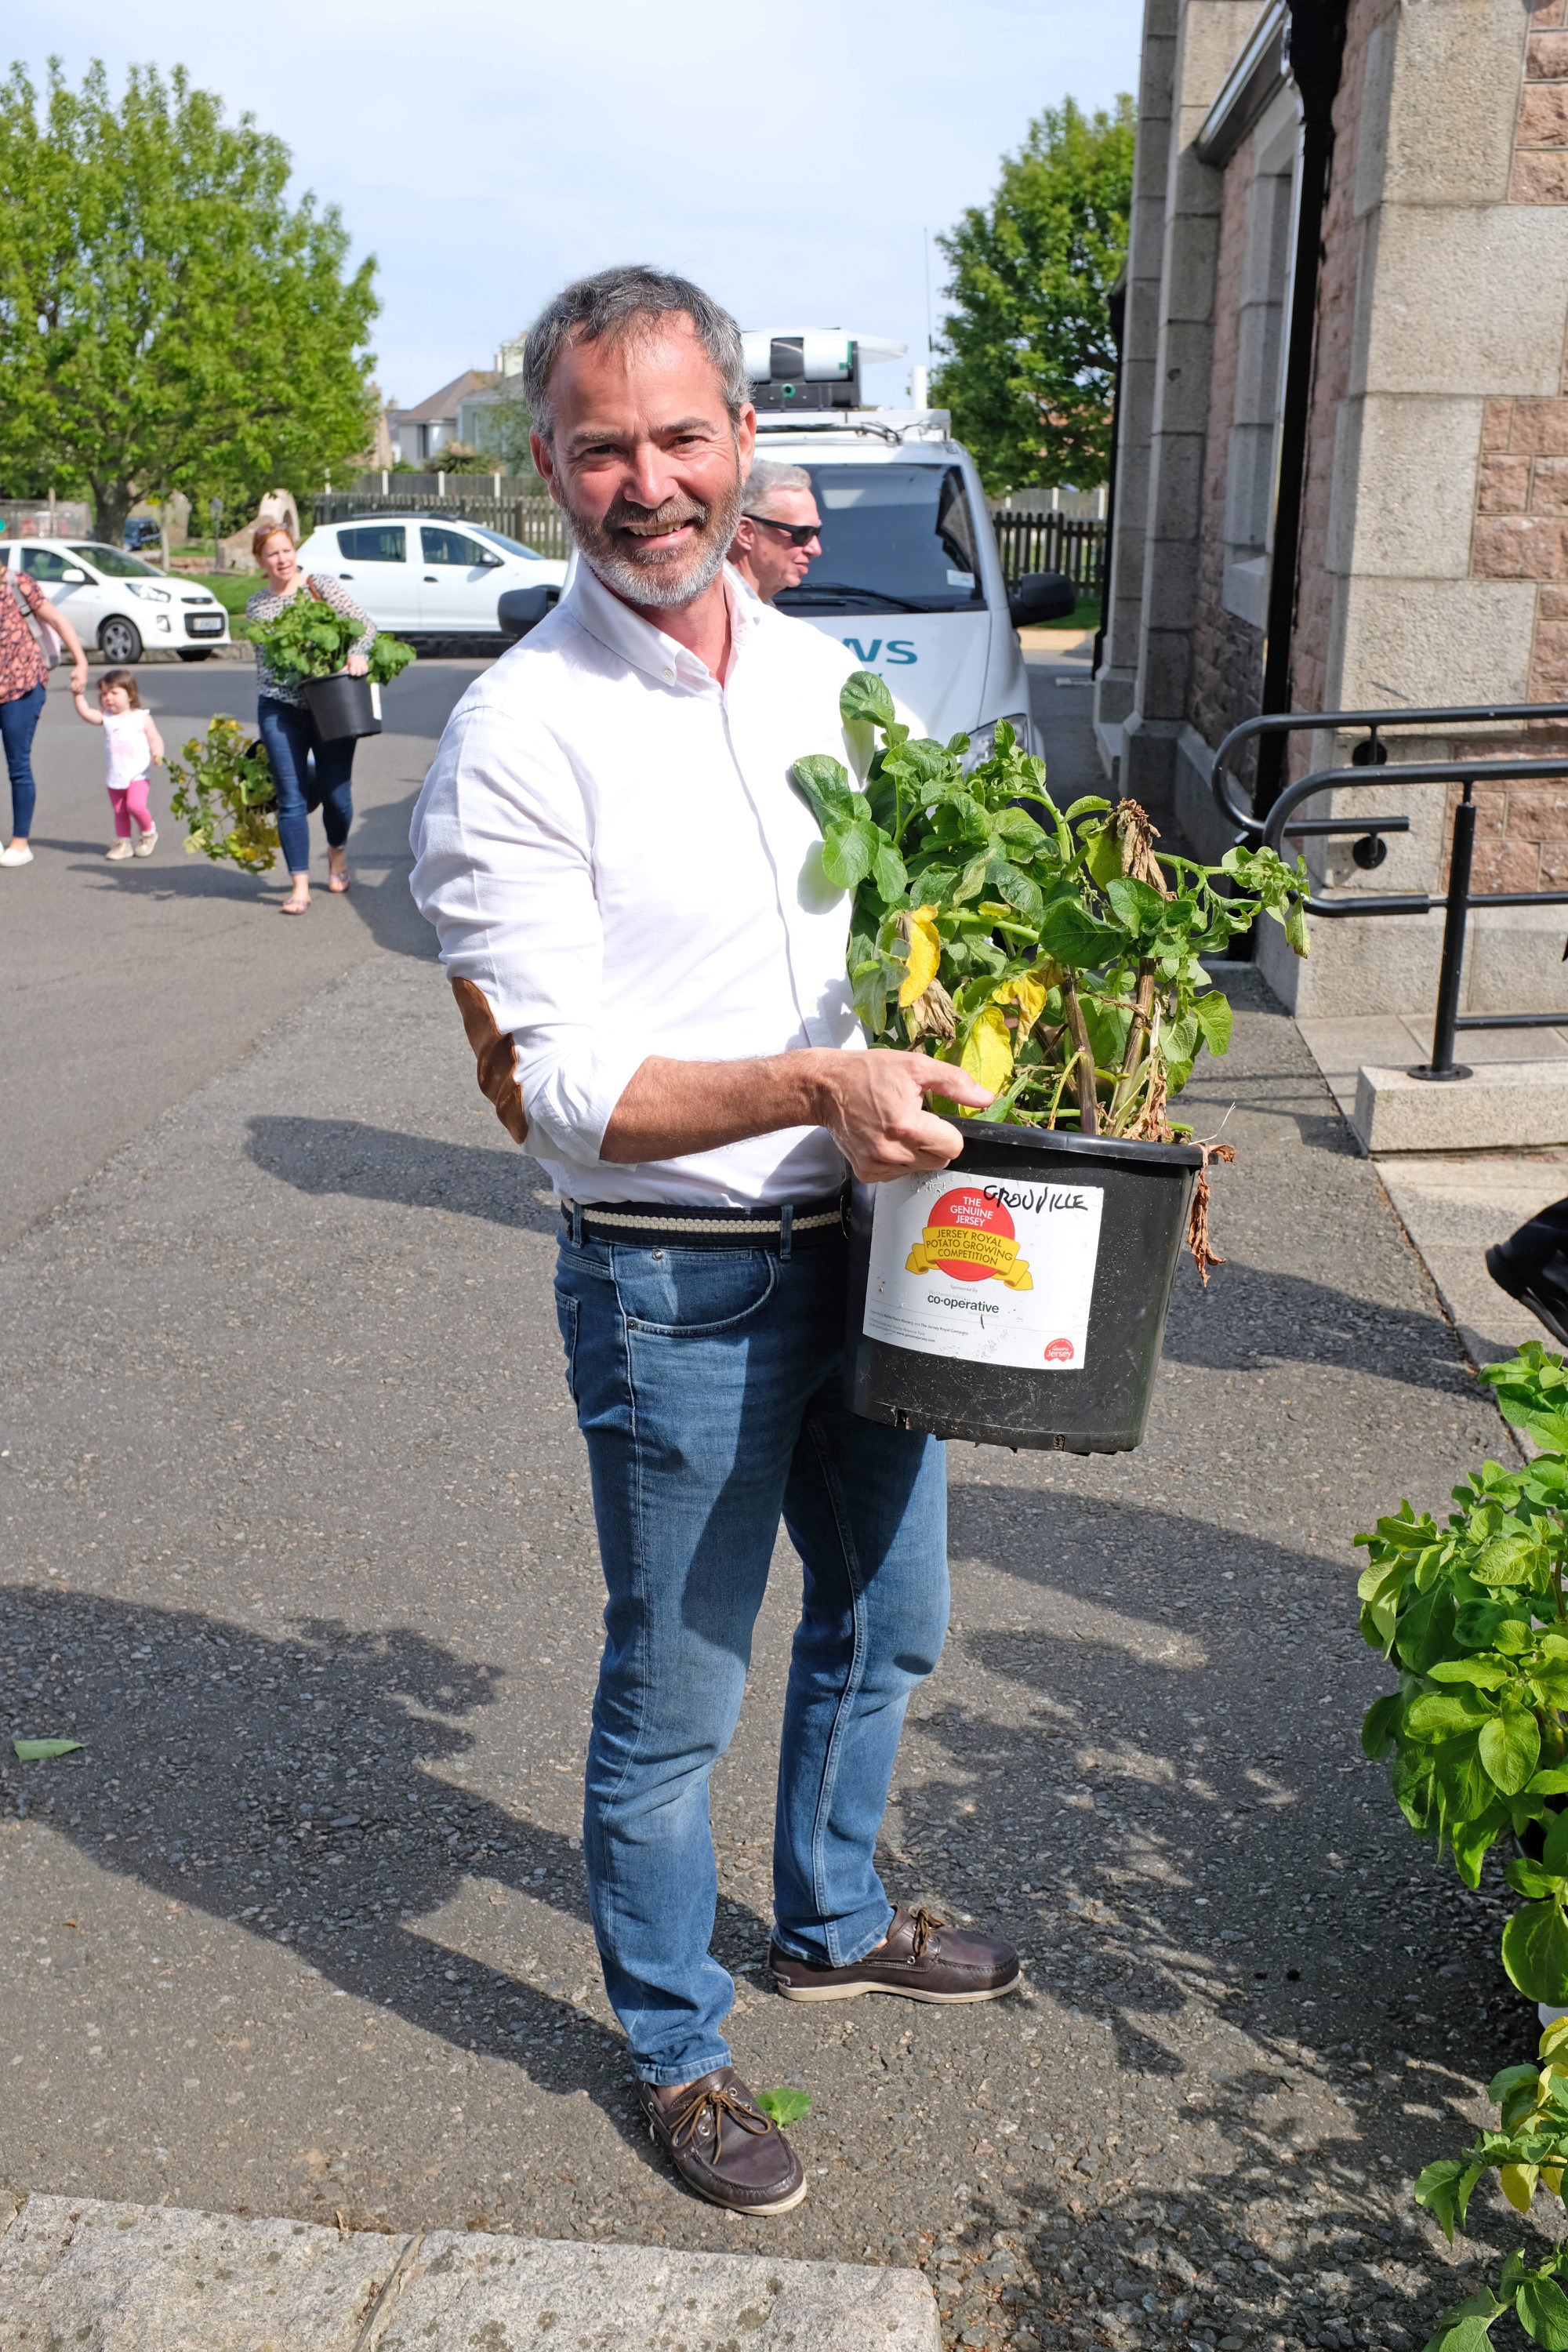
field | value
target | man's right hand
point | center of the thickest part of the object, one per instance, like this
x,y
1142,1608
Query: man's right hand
x,y
875,1110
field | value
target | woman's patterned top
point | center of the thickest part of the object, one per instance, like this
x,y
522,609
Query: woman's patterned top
x,y
22,666
266,606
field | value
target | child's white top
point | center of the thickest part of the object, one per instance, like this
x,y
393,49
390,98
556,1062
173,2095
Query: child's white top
x,y
126,751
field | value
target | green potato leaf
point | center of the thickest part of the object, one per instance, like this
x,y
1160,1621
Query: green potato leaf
x,y
1445,2189
1554,1846
785,2107
44,1751
846,854
1510,1748
1542,2309
1216,1018
824,785
864,695
1535,1953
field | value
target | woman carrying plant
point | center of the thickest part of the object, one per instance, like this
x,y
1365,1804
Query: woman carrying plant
x,y
23,673
288,730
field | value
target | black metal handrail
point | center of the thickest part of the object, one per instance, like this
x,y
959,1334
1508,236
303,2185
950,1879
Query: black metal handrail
x,y
1457,900
1372,754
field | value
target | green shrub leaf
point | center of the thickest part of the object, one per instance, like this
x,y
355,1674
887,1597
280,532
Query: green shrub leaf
x,y
1542,2309
1535,1953
1510,1748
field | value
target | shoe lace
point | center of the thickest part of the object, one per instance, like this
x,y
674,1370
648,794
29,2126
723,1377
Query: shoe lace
x,y
717,2100
921,1923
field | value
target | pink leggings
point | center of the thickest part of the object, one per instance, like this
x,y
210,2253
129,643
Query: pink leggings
x,y
131,801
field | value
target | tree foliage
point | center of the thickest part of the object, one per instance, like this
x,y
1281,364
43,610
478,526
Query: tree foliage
x,y
1031,361
168,320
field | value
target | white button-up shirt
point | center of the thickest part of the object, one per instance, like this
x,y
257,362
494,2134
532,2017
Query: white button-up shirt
x,y
610,848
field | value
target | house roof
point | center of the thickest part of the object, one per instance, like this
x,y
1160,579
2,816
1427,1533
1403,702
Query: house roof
x,y
444,404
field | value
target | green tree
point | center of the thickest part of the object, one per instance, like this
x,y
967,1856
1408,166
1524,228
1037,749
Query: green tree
x,y
168,320
1030,357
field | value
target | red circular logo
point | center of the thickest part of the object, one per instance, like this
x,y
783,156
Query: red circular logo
x,y
1059,1351
970,1211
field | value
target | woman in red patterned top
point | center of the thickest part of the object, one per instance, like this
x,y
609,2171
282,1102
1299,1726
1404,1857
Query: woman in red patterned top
x,y
23,671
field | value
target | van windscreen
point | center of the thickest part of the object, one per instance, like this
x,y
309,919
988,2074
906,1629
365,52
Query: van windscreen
x,y
895,537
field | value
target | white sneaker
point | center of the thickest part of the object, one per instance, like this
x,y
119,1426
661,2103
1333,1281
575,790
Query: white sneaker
x,y
146,845
17,854
120,849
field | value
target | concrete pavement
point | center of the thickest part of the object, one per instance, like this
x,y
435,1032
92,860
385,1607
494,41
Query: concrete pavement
x,y
301,1932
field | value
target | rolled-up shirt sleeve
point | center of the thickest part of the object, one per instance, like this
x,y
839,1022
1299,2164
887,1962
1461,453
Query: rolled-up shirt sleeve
x,y
504,870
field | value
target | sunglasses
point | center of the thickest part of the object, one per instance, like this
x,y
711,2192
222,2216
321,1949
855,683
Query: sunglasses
x,y
799,534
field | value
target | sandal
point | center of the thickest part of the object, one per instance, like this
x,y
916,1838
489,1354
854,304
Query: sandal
x,y
338,883
295,907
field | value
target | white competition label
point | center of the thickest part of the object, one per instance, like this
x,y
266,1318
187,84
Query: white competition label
x,y
992,1269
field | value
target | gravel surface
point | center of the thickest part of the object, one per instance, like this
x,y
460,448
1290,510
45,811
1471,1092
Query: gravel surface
x,y
303,1930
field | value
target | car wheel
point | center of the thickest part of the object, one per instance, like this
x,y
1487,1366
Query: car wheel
x,y
195,653
120,640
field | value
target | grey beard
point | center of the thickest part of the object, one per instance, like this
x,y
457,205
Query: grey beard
x,y
664,585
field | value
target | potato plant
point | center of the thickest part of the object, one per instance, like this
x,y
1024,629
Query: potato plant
x,y
224,791
1052,954
312,639
1529,2151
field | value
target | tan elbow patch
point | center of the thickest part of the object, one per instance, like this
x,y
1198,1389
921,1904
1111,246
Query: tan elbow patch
x,y
496,1058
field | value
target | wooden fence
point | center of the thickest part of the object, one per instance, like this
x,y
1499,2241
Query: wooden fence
x,y
1026,543
1052,543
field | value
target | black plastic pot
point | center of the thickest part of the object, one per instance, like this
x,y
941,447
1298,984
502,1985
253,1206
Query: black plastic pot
x,y
1061,1251
342,706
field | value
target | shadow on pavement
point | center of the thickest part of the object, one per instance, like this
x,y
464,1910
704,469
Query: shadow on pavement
x,y
414,1171
290,1787
1263,1316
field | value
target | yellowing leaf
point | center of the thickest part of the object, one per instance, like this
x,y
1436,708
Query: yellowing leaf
x,y
1552,2040
925,954
1519,2184
988,1056
1029,993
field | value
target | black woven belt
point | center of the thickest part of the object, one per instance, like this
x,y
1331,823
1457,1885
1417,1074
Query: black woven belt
x,y
643,1224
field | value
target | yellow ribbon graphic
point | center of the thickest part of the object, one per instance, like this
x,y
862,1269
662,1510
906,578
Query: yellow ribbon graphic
x,y
996,1252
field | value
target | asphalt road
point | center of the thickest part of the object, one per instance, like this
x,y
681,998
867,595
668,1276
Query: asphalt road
x,y
303,1928
128,986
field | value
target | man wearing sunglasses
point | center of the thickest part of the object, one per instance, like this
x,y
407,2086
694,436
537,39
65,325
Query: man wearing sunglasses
x,y
775,540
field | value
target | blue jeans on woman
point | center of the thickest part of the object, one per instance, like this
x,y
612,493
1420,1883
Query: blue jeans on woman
x,y
309,775
708,1383
19,724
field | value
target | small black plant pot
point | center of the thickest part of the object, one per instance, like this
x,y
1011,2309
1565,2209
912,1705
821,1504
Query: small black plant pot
x,y
342,706
1018,1298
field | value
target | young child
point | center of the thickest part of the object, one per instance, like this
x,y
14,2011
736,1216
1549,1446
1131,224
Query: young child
x,y
131,744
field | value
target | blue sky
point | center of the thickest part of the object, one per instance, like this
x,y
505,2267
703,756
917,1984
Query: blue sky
x,y
790,158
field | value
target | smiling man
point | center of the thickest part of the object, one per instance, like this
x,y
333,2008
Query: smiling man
x,y
651,974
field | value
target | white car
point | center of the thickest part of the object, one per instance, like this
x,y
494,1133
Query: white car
x,y
120,603
426,575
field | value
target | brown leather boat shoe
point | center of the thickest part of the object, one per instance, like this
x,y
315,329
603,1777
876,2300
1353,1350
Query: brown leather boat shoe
x,y
919,1957
723,2144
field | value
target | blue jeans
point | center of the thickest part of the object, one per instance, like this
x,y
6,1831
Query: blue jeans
x,y
289,735
708,1385
18,723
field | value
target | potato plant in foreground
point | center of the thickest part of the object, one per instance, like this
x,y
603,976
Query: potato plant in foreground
x,y
1472,1613
1053,954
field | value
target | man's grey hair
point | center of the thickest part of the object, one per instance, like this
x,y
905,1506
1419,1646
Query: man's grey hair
x,y
618,303
764,478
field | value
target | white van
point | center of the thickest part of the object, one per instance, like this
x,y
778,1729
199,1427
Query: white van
x,y
909,578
